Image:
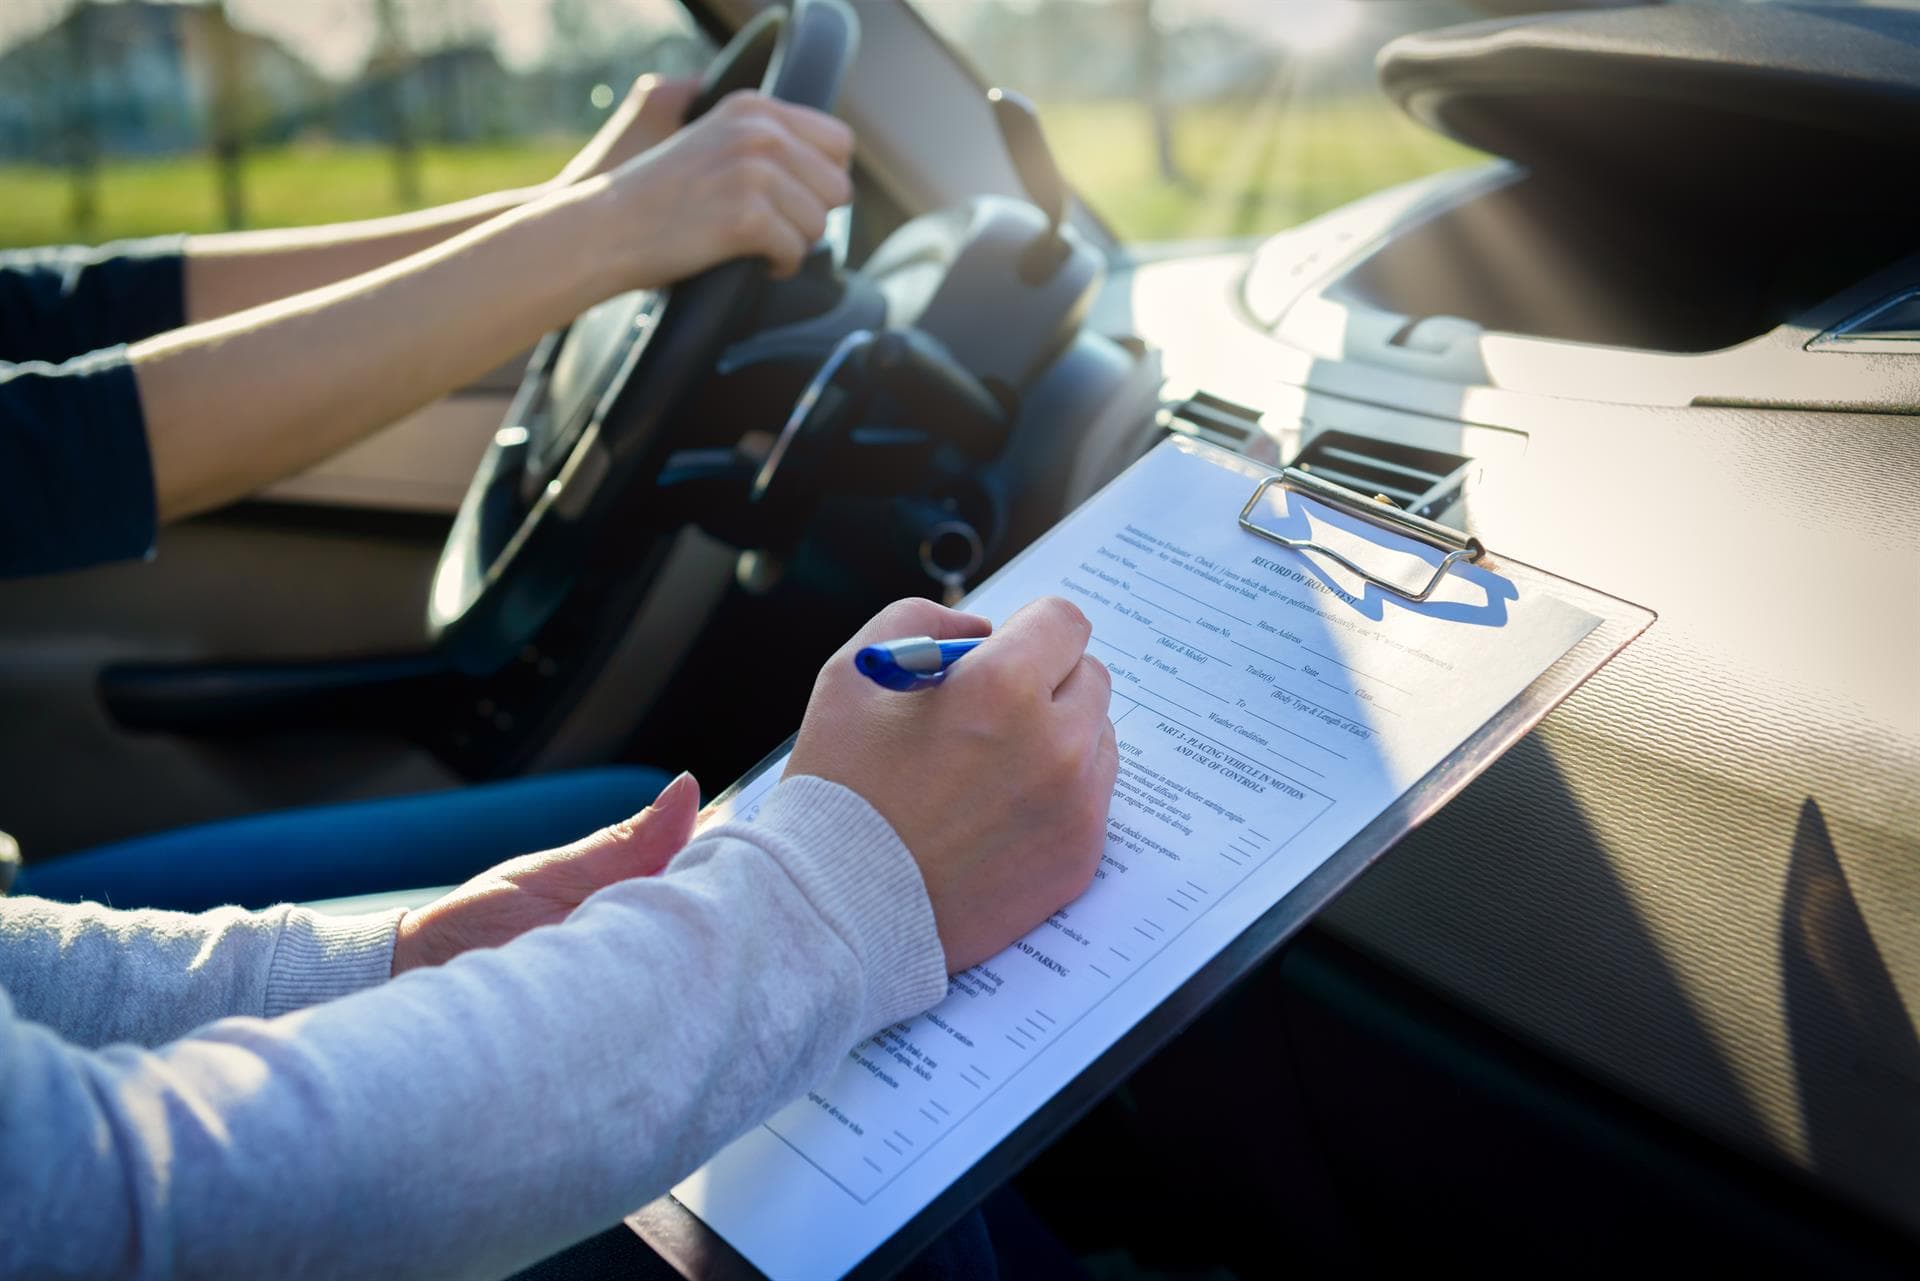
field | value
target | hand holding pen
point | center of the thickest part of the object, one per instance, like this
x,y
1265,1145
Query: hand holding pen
x,y
997,778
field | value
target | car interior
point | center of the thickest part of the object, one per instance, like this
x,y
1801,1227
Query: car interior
x,y
1646,994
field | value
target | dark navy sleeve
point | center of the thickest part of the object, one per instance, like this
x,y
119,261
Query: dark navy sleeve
x,y
76,479
63,301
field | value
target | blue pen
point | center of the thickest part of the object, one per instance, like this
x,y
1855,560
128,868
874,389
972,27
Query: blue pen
x,y
913,663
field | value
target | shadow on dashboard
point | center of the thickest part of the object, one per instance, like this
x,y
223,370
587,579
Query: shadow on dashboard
x,y
1845,1019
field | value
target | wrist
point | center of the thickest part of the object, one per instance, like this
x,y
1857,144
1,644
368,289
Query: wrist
x,y
865,881
590,255
614,248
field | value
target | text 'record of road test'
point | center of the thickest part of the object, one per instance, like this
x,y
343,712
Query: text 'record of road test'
x,y
1265,713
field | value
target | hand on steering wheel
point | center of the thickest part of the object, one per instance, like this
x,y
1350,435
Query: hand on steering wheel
x,y
753,178
562,492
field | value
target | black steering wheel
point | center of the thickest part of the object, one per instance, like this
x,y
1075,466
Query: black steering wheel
x,y
595,418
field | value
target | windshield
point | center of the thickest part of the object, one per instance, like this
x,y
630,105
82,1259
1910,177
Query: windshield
x,y
1184,120
1209,119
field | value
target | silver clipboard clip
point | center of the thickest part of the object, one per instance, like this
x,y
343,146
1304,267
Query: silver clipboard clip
x,y
1457,546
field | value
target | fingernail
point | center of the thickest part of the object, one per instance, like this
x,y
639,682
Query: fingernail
x,y
673,793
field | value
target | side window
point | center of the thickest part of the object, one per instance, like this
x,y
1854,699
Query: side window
x,y
139,118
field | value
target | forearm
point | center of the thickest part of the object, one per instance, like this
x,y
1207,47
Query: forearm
x,y
98,976
477,1116
235,403
231,271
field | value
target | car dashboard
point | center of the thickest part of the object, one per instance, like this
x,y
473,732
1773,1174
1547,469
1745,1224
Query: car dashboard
x,y
1694,882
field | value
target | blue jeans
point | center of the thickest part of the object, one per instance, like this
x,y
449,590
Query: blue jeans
x,y
330,851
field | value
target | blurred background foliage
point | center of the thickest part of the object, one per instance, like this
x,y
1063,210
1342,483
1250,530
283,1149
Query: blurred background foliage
x,y
1176,119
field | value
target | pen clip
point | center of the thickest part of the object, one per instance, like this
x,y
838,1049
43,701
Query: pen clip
x,y
1457,546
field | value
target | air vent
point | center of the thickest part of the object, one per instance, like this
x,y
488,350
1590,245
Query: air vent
x,y
1214,418
1422,481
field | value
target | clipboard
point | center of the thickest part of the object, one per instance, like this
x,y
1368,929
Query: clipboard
x,y
699,1253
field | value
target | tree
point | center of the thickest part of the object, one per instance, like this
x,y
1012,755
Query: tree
x,y
79,123
1153,45
232,111
387,68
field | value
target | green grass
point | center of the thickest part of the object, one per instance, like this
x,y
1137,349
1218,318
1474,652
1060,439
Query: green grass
x,y
1246,171
284,187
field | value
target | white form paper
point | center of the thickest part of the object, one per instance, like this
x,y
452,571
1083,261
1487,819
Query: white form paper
x,y
1266,710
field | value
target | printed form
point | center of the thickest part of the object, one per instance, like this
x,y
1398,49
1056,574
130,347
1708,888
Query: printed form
x,y
1266,710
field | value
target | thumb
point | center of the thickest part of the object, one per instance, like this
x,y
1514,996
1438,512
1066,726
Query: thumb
x,y
647,841
641,845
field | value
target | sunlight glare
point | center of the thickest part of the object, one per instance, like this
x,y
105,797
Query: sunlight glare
x,y
1314,26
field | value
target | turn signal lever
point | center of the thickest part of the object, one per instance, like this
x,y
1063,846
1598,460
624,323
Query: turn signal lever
x,y
1033,160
